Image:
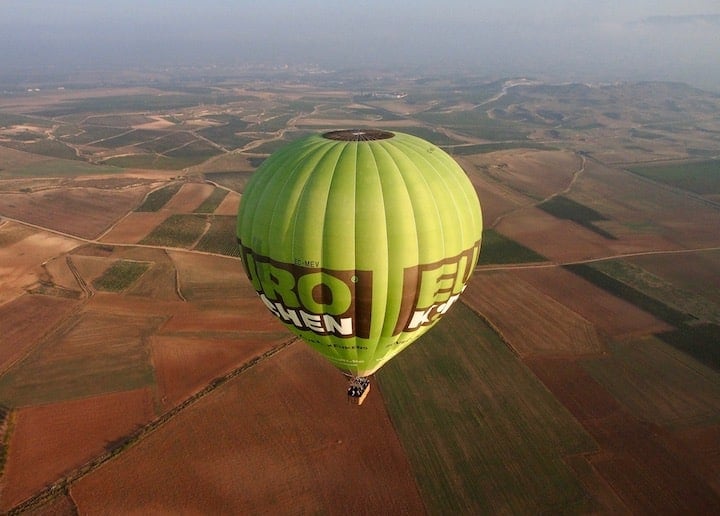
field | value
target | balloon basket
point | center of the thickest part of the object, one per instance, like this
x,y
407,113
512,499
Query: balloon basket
x,y
358,390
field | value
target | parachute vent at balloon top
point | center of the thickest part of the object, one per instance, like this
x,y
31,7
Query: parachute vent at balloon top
x,y
358,135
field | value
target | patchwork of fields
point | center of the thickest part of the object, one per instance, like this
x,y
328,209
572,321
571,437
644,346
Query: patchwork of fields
x,y
579,373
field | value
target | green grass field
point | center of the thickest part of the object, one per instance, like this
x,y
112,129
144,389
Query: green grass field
x,y
482,434
64,168
177,231
168,142
476,123
220,236
210,204
159,198
126,103
120,275
499,249
700,177
152,162
51,148
233,180
226,134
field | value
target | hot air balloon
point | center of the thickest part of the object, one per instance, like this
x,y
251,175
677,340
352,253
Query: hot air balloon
x,y
359,241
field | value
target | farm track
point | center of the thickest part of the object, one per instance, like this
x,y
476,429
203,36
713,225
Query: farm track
x,y
576,175
482,268
62,485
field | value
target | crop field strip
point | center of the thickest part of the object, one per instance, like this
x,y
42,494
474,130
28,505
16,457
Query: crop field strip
x,y
120,275
156,199
701,177
481,432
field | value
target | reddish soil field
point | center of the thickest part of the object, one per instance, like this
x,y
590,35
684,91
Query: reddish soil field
x,y
59,506
244,315
703,442
59,273
51,440
20,263
83,212
24,321
204,277
672,214
229,205
558,240
608,313
184,365
278,439
646,475
134,227
529,321
188,198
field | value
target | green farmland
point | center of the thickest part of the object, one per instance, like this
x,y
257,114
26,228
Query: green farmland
x,y
482,434
177,231
220,236
120,275
701,177
156,199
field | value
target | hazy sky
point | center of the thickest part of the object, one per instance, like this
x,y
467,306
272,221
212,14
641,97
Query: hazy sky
x,y
612,39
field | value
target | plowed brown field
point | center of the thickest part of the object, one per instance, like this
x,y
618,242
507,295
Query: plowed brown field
x,y
558,240
535,173
24,321
229,205
84,212
203,277
50,440
611,314
135,226
646,475
189,197
184,365
529,321
278,439
20,262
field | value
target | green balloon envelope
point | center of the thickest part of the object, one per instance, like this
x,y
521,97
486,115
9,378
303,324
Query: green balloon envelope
x,y
359,241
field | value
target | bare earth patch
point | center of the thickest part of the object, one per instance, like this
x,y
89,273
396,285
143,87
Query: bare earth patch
x,y
188,198
25,320
629,448
616,317
134,227
20,263
229,205
280,438
82,212
184,365
50,440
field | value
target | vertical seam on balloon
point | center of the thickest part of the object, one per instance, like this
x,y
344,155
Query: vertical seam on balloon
x,y
372,354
